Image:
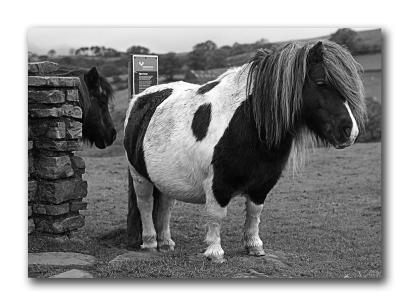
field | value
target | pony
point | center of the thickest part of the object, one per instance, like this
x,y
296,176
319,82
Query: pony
x,y
96,93
233,136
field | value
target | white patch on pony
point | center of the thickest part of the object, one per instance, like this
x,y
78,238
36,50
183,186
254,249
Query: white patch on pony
x,y
253,213
354,129
164,240
144,193
214,214
176,162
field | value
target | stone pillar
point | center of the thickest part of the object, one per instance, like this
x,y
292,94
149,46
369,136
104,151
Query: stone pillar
x,y
55,185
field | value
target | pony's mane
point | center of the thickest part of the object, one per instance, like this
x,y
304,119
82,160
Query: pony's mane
x,y
275,80
232,70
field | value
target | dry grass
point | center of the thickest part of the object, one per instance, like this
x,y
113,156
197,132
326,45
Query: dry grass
x,y
324,223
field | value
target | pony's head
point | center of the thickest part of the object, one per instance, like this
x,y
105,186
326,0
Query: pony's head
x,y
333,106
307,87
98,127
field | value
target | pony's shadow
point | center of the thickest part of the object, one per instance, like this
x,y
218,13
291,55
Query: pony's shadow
x,y
114,239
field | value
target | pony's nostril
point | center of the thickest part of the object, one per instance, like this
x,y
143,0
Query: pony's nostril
x,y
347,131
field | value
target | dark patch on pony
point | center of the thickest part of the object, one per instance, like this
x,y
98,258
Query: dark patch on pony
x,y
201,121
207,87
136,127
243,163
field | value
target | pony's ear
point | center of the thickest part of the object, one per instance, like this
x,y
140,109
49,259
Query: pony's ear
x,y
316,53
92,76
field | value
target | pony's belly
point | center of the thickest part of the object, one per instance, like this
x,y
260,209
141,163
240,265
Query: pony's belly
x,y
178,184
183,194
180,189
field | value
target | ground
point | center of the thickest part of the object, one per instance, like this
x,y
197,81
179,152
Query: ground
x,y
324,222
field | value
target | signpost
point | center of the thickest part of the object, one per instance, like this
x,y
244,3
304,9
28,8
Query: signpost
x,y
143,72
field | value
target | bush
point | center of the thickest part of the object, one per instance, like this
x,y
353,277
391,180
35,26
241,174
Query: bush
x,y
372,131
109,70
116,79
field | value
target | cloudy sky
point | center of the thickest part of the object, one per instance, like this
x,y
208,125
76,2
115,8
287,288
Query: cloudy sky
x,y
160,39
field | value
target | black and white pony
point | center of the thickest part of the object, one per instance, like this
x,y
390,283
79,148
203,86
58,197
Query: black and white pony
x,y
234,135
95,95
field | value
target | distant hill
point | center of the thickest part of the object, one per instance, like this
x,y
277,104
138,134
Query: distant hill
x,y
372,38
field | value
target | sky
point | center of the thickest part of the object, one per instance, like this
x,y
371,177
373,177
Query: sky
x,y
160,39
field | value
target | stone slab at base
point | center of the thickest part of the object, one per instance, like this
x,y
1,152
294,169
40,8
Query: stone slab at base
x,y
72,274
60,259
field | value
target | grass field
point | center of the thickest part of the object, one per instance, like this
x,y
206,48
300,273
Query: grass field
x,y
323,223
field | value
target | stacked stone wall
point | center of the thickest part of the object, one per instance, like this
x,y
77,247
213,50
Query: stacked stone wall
x,y
55,185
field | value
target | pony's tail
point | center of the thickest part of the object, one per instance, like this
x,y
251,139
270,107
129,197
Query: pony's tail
x,y
134,223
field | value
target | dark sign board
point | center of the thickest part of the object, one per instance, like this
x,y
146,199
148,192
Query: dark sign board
x,y
144,72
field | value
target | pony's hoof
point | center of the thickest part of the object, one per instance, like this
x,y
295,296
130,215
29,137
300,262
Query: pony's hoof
x,y
166,248
216,259
215,253
255,251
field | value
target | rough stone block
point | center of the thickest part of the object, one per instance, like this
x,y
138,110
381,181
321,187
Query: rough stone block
x,y
31,168
49,129
74,129
54,145
46,96
42,67
51,210
77,205
53,167
31,225
53,81
32,188
72,95
61,225
72,111
78,164
66,110
62,190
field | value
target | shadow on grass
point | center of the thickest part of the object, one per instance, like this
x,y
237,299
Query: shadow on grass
x,y
115,239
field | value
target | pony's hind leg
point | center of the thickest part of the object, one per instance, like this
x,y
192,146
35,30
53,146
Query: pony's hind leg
x,y
252,241
214,216
144,194
164,240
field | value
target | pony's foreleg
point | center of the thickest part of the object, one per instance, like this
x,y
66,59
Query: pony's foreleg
x,y
144,193
214,216
164,240
252,241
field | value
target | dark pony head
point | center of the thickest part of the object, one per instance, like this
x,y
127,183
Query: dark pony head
x,y
311,91
96,94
